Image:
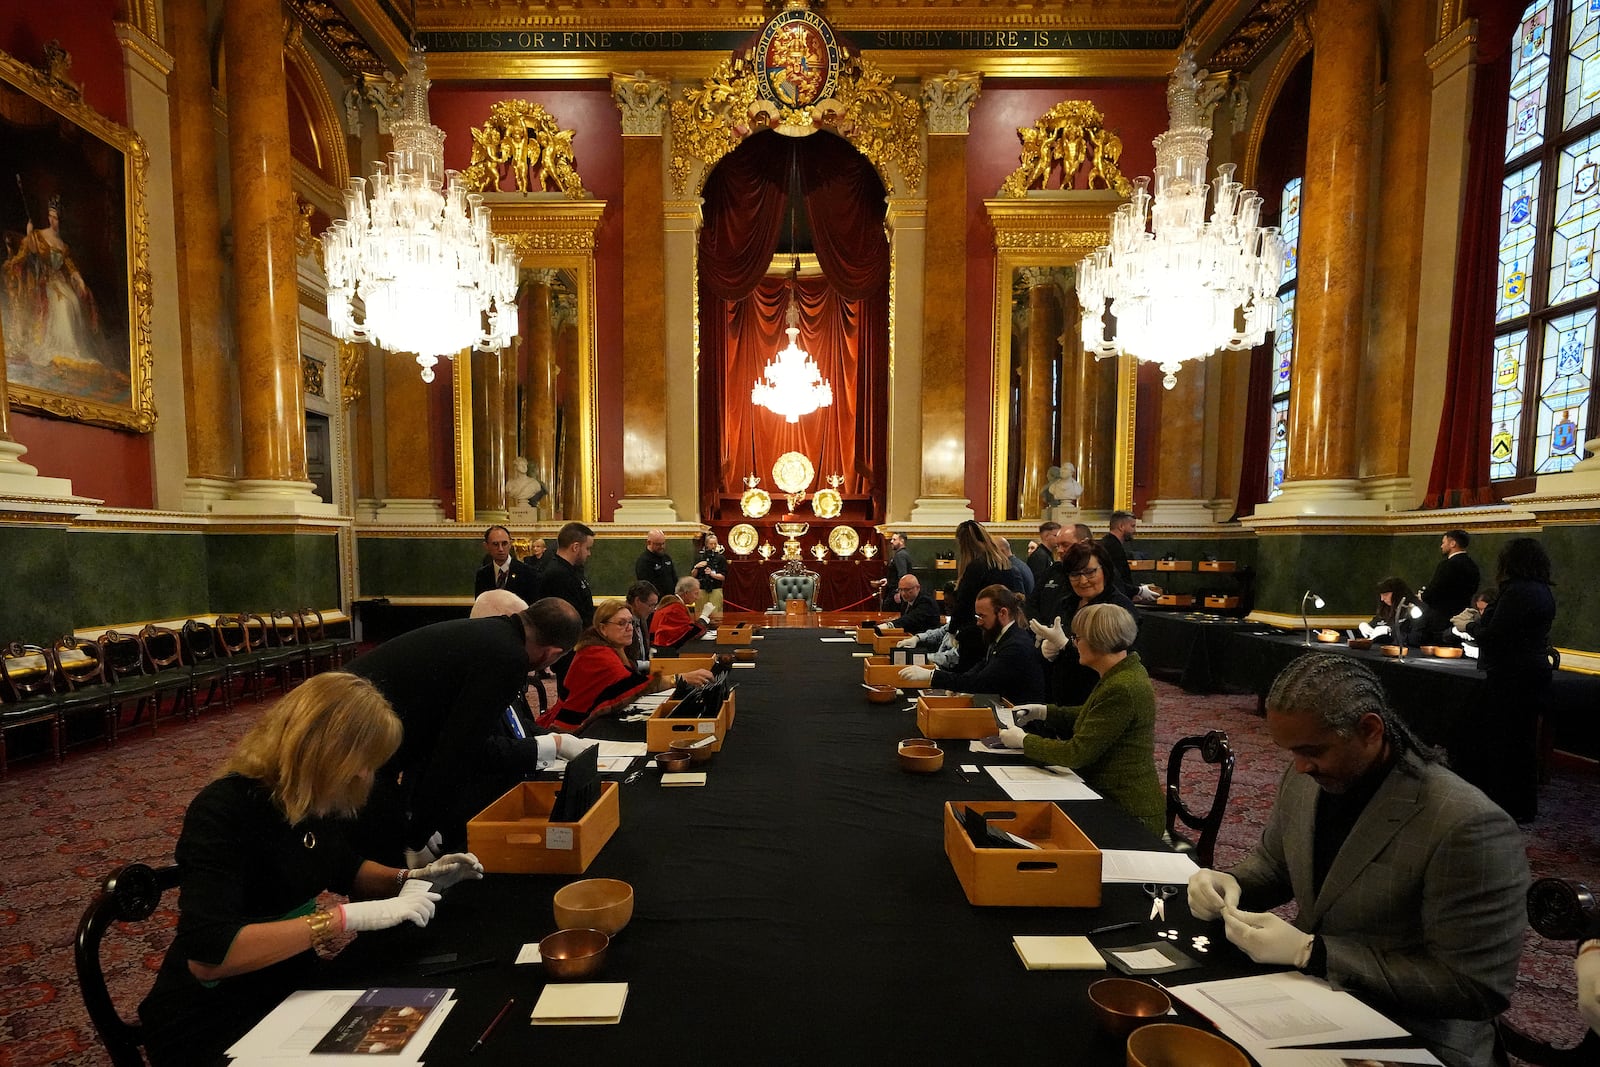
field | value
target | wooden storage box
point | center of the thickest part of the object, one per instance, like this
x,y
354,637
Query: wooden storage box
x,y
1174,565
1222,602
1218,566
879,671
954,718
1175,600
679,664
1064,874
660,730
866,635
890,638
514,835
739,634
1141,564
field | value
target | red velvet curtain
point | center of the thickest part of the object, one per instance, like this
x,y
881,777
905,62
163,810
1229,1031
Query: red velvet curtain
x,y
844,316
1460,475
1257,414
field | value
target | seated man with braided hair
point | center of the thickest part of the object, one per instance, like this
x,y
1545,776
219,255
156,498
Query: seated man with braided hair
x,y
1410,884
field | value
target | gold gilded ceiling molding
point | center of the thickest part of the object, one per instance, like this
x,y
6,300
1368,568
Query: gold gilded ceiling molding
x,y
524,138
1255,34
1071,135
1297,49
545,222
343,41
327,128
1052,219
713,118
143,16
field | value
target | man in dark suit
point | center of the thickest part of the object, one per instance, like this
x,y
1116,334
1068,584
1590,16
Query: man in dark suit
x,y
1410,885
504,571
1041,557
918,613
899,567
642,598
449,683
563,574
1121,532
654,565
1449,592
1009,667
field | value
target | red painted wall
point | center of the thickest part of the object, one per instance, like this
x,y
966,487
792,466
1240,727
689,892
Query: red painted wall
x,y
586,107
108,464
1136,110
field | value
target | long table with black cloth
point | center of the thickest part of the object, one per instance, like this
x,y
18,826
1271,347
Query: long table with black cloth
x,y
797,908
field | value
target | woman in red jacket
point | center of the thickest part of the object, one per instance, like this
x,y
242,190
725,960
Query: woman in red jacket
x,y
601,678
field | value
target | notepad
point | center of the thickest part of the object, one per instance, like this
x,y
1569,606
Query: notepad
x,y
684,778
580,1004
1058,953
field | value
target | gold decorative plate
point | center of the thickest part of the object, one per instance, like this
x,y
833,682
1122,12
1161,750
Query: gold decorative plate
x,y
742,539
827,503
793,472
844,540
755,503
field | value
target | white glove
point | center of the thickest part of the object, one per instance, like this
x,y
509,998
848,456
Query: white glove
x,y
705,612
1587,967
1012,737
917,675
446,871
1265,938
1050,639
415,904
1148,593
427,853
906,642
570,746
1210,892
1026,713
1466,618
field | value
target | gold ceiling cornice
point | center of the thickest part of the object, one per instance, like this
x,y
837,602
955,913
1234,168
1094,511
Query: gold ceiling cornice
x,y
1254,34
338,35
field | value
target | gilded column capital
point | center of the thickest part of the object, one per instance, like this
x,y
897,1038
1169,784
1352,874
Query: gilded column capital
x,y
352,109
948,98
386,93
643,103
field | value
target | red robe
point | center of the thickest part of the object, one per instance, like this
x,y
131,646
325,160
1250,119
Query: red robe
x,y
597,680
673,626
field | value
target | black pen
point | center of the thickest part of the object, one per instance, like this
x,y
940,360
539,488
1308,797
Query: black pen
x,y
1114,927
487,1030
452,968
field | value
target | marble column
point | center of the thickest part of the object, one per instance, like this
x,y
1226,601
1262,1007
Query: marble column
x,y
947,102
1231,370
1330,300
681,221
564,327
266,315
408,461
1089,386
1041,344
490,466
210,384
1396,275
539,393
1179,498
906,222
645,499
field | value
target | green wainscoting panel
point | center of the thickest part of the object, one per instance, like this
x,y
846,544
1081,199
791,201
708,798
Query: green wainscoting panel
x,y
1343,569
1573,552
418,566
266,572
137,575
37,578
610,565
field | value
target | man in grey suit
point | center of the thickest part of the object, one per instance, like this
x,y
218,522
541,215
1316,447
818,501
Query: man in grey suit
x,y
1410,884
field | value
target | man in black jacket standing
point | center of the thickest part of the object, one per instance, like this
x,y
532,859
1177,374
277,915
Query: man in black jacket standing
x,y
654,565
1449,591
504,571
1122,526
563,575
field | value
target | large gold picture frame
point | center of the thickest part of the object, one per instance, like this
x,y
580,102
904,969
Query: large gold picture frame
x,y
75,286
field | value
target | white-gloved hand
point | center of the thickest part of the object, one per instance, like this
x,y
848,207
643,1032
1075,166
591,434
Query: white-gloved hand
x,y
1466,618
571,746
1148,593
906,642
414,904
1587,967
1050,639
917,675
1012,737
706,612
427,853
447,870
1023,714
1210,892
1265,938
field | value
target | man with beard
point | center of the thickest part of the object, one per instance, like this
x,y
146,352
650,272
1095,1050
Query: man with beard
x,y
1010,667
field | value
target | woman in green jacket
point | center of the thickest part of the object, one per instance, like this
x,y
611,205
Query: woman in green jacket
x,y
1110,738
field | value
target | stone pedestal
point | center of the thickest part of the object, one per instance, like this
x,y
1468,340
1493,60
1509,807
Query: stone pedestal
x,y
948,511
644,511
410,510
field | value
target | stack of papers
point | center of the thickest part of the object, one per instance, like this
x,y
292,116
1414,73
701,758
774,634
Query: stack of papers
x,y
345,1026
1041,783
1270,1015
1162,868
680,778
580,1004
1058,953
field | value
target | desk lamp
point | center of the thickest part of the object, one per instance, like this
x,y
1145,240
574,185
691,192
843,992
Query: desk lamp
x,y
1404,611
1316,602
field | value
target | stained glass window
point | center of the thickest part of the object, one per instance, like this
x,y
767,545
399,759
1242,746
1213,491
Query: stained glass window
x,y
1283,343
1541,396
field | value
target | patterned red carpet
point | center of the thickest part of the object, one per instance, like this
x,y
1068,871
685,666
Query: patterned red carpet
x,y
69,825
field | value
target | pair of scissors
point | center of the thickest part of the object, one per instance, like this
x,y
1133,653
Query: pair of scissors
x,y
1158,899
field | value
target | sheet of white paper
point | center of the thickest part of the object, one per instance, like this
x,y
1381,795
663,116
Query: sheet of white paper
x,y
969,768
1144,959
1344,1057
979,746
1038,783
1129,865
623,748
529,954
1285,1009
1007,719
744,666
838,640
293,1028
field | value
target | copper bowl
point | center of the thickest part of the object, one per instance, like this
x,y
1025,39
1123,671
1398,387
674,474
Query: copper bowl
x,y
1449,652
1123,1005
603,904
1394,651
1360,643
573,955
1173,1045
745,655
696,755
1327,637
882,694
923,758
670,762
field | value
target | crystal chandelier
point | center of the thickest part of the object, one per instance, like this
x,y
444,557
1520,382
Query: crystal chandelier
x,y
1180,286
418,251
792,385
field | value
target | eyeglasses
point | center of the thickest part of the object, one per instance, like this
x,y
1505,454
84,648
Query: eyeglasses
x,y
1083,575
621,622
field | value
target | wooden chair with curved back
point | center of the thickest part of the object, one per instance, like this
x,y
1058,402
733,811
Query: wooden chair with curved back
x,y
322,647
1214,749
163,655
28,694
1558,910
232,633
85,690
122,656
130,894
207,662
281,650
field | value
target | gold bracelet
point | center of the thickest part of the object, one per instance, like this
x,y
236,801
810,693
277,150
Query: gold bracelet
x,y
321,923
